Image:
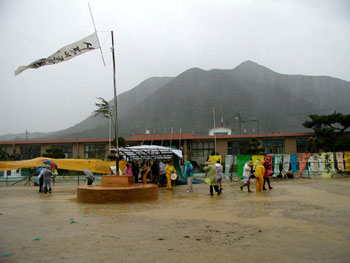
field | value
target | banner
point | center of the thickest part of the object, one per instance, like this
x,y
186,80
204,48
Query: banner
x,y
347,161
286,163
66,53
314,162
327,164
303,158
270,169
293,163
228,163
215,158
241,160
340,161
257,159
278,162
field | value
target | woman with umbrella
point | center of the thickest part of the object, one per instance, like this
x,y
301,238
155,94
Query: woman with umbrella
x,y
89,176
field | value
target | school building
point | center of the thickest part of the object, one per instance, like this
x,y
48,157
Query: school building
x,y
194,147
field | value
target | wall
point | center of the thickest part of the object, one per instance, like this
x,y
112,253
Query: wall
x,y
290,145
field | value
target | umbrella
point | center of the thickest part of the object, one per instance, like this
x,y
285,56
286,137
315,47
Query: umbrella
x,y
49,163
88,173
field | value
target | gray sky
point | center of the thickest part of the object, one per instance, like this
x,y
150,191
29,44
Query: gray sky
x,y
155,38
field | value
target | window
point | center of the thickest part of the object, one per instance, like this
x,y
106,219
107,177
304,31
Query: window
x,y
30,152
237,147
202,148
95,151
273,145
67,149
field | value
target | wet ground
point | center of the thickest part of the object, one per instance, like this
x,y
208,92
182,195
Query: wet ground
x,y
298,221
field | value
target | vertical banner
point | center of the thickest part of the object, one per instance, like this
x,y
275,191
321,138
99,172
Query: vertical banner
x,y
257,159
228,163
278,160
286,163
241,160
268,158
303,158
340,161
293,163
347,161
314,162
327,164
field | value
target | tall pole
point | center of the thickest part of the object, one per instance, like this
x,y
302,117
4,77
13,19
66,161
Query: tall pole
x,y
115,106
214,130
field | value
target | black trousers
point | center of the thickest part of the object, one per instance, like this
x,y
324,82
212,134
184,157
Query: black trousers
x,y
41,182
215,187
268,182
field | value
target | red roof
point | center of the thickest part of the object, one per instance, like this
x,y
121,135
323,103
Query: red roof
x,y
163,136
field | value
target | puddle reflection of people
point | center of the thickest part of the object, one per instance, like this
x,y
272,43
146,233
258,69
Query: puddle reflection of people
x,y
246,175
210,169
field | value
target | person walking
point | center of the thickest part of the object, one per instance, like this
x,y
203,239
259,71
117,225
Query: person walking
x,y
161,174
135,170
259,176
188,172
169,170
210,169
246,175
47,180
267,173
89,176
218,167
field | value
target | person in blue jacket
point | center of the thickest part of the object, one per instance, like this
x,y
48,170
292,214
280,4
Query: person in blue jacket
x,y
188,172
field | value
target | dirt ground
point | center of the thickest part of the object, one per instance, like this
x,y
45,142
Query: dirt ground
x,y
298,221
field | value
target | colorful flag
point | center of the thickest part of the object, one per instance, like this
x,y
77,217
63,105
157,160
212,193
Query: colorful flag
x,y
347,161
286,163
293,163
241,160
327,164
66,53
340,161
303,158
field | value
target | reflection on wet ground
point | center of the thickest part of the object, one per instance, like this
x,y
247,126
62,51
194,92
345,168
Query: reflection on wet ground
x,y
298,221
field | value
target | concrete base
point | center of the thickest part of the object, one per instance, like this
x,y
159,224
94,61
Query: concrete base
x,y
117,189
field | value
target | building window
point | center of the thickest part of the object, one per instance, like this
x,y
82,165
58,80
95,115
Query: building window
x,y
95,151
5,149
237,147
273,146
202,148
30,152
67,149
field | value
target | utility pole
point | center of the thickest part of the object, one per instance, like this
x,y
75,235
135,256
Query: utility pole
x,y
214,131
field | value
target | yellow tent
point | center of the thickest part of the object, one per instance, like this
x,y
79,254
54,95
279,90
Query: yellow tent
x,y
94,165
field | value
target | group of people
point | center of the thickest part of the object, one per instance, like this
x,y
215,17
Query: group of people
x,y
44,176
156,172
214,176
261,172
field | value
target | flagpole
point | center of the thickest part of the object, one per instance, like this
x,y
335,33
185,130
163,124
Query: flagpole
x,y
115,105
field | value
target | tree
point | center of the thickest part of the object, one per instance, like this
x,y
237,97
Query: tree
x,y
55,153
330,131
254,147
121,142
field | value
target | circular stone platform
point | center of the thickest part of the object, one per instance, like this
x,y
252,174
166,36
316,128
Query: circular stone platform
x,y
99,194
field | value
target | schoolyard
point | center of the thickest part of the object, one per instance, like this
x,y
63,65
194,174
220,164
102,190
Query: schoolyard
x,y
300,220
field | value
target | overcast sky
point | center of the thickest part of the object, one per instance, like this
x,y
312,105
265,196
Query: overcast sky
x,y
155,38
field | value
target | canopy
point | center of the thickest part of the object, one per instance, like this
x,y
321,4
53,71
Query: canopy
x,y
94,165
149,152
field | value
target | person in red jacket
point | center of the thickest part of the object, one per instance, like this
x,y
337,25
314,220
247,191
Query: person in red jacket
x,y
267,173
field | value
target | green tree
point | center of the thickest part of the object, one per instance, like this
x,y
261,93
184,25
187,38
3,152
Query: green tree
x,y
254,147
121,142
330,131
55,153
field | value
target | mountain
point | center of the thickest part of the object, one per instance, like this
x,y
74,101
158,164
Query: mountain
x,y
277,102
